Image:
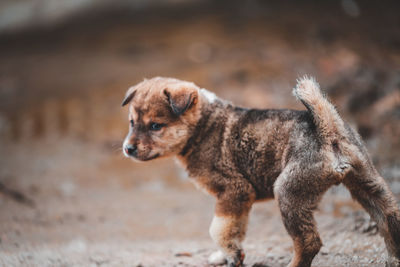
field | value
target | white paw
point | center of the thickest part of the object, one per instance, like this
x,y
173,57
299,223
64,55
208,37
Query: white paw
x,y
217,258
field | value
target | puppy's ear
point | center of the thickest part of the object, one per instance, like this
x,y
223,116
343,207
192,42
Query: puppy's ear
x,y
129,95
181,100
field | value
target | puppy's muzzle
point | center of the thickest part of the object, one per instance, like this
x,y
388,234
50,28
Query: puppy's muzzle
x,y
131,150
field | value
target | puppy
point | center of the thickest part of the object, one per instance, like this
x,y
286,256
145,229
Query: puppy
x,y
242,155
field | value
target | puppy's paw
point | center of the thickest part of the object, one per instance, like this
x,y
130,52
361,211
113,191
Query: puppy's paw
x,y
217,258
237,260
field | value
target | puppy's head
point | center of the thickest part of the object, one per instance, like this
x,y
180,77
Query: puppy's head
x,y
162,114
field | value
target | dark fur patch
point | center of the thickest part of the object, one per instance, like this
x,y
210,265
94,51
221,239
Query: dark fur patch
x,y
128,98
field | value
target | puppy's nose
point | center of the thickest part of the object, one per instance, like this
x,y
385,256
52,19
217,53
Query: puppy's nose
x,y
131,150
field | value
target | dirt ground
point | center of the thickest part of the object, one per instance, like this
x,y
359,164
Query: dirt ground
x,y
68,197
92,216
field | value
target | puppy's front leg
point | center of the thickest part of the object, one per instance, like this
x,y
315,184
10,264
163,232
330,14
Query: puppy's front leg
x,y
228,227
228,232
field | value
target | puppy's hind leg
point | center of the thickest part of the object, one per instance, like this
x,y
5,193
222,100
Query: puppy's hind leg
x,y
371,191
298,192
229,225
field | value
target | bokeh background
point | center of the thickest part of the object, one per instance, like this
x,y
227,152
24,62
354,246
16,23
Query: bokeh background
x,y
68,197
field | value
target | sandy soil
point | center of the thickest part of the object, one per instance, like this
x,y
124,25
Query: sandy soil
x,y
82,216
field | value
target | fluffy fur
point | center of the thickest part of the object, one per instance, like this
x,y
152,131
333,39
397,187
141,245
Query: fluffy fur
x,y
242,155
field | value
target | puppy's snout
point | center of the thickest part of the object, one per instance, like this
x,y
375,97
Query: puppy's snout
x,y
131,150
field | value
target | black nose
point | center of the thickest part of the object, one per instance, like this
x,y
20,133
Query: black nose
x,y
131,150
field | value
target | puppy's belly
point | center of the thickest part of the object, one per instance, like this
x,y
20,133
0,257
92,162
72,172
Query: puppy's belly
x,y
266,196
264,185
264,190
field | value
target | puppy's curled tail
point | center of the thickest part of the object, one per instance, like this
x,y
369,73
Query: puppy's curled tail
x,y
329,124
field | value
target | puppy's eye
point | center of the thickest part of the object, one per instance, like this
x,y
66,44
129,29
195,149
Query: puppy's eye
x,y
156,126
131,122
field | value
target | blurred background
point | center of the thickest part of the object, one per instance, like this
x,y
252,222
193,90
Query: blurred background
x,y
68,197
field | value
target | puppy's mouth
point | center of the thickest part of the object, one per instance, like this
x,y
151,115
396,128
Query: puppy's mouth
x,y
150,158
136,158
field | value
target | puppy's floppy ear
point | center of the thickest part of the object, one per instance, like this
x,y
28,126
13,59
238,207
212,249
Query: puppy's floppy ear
x,y
180,100
129,95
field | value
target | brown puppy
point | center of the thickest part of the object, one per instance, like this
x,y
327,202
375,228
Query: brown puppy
x,y
243,155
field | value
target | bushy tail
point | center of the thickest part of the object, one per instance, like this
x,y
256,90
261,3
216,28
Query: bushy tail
x,y
326,118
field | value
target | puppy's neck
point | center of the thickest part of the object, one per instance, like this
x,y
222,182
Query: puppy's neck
x,y
213,111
